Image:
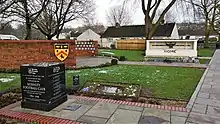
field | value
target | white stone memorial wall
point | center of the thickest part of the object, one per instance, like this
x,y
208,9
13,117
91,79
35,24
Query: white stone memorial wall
x,y
171,48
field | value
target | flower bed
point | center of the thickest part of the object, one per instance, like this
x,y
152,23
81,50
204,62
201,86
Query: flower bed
x,y
110,89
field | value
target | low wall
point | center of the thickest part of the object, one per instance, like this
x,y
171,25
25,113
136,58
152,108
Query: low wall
x,y
13,53
171,48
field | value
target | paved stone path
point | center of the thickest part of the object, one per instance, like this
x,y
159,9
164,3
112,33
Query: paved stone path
x,y
165,64
105,111
206,106
95,61
91,61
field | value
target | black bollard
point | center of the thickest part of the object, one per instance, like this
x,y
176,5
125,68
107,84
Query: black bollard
x,y
75,83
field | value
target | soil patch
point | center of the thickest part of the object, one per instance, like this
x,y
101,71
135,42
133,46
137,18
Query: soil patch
x,y
10,121
10,97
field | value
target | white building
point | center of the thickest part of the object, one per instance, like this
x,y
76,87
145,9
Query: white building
x,y
86,36
8,37
114,33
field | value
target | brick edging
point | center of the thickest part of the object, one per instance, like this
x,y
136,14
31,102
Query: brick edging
x,y
172,108
40,119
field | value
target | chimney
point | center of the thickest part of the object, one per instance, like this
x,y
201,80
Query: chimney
x,y
117,25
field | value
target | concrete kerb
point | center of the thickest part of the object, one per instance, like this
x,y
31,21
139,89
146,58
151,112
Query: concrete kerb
x,y
195,94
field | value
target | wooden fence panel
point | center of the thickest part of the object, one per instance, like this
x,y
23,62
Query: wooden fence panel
x,y
133,44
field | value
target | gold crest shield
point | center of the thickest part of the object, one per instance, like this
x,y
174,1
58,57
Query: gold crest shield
x,y
61,51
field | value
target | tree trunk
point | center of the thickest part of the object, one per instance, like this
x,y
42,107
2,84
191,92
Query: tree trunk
x,y
49,37
57,36
148,27
28,32
207,32
218,37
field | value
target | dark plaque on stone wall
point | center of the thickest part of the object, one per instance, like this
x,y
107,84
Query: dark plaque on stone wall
x,y
43,85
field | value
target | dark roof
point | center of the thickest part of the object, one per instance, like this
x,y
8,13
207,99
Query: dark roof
x,y
194,32
192,29
138,31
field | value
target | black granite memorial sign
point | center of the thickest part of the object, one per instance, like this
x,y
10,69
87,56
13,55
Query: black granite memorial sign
x,y
43,85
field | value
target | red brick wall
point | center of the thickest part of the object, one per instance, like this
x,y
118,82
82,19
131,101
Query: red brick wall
x,y
14,53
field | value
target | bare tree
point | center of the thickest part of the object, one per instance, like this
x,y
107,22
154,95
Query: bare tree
x,y
59,12
6,4
119,14
216,24
207,10
27,11
169,17
93,24
150,13
6,29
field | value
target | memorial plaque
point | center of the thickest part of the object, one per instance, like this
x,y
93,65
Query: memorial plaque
x,y
43,85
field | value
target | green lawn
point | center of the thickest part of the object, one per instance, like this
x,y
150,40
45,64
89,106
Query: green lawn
x,y
204,61
13,84
166,82
205,52
131,55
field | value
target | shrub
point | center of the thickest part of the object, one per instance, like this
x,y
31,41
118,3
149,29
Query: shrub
x,y
122,58
114,61
218,45
213,39
113,46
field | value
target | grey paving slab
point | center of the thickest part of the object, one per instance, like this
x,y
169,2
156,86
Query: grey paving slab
x,y
85,102
207,102
206,86
73,115
180,114
216,87
164,64
199,108
91,61
92,120
190,123
122,116
209,90
215,111
203,118
215,83
152,120
178,120
163,114
64,105
102,109
203,95
215,96
133,108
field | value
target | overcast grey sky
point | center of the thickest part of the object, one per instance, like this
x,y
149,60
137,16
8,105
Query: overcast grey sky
x,y
103,5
